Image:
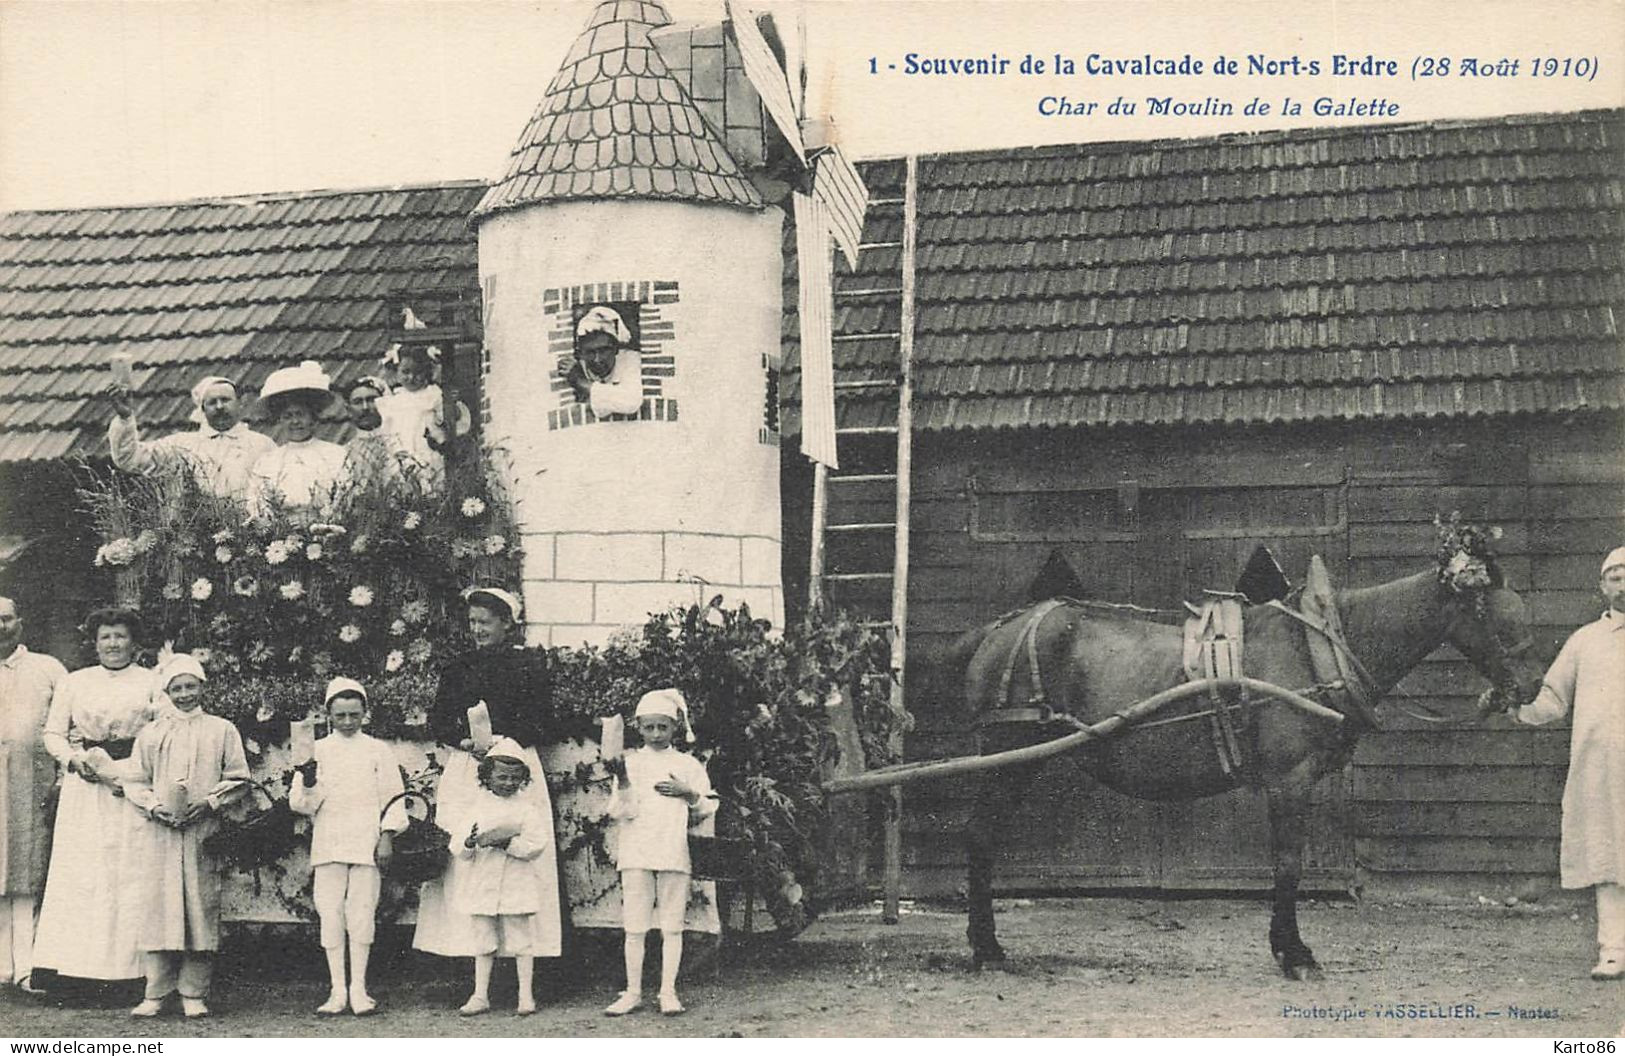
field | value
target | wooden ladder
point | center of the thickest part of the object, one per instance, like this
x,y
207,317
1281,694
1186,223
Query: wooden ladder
x,y
860,516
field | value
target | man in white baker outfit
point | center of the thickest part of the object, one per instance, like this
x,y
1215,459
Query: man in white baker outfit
x,y
27,778
1588,678
219,454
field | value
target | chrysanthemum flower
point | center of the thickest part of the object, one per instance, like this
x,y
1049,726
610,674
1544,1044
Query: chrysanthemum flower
x,y
361,596
202,589
394,660
349,633
293,591
473,507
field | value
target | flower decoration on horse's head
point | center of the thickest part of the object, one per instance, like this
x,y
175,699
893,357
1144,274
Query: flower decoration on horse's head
x,y
1466,554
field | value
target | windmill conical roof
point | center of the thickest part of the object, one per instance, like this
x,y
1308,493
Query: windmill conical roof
x,y
616,124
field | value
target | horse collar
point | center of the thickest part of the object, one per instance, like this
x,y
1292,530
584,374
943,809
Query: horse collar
x,y
1358,688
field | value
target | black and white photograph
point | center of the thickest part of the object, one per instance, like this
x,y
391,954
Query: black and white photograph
x,y
641,519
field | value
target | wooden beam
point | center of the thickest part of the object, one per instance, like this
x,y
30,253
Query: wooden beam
x,y
892,910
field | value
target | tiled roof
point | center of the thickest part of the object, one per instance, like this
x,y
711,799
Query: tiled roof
x,y
616,124
236,287
1468,268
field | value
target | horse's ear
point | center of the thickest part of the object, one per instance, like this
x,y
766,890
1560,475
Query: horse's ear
x,y
1055,580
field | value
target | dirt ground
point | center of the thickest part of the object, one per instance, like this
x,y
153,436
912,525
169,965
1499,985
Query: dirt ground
x,y
1079,967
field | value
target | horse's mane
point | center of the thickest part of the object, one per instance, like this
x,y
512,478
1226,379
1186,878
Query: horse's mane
x,y
1121,610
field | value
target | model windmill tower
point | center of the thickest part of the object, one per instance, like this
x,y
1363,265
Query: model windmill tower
x,y
631,270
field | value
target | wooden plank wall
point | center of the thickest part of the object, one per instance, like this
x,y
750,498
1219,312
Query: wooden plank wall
x,y
1421,799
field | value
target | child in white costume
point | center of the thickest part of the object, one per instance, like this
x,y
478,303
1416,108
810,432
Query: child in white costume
x,y
659,793
496,850
345,788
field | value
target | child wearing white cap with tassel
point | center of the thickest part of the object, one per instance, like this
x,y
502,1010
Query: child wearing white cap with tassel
x,y
345,789
659,793
497,843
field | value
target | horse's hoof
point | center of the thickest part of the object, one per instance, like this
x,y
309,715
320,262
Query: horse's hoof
x,y
1304,973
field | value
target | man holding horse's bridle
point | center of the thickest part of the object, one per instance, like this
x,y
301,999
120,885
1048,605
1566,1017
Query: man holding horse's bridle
x,y
1588,677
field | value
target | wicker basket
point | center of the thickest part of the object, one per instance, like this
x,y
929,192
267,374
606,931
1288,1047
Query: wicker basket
x,y
717,858
421,852
256,840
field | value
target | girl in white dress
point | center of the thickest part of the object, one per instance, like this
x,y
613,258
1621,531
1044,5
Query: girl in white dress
x,y
346,789
659,793
91,917
496,850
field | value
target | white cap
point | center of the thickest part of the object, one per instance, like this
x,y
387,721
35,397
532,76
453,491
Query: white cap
x,y
602,320
180,664
515,607
669,703
340,686
507,748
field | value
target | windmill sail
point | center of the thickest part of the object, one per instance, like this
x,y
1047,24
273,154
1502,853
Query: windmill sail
x,y
838,186
817,352
765,74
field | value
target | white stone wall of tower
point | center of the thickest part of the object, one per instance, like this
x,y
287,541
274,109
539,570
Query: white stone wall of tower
x,y
621,518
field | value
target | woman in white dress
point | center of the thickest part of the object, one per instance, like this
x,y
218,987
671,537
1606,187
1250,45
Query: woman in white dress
x,y
515,686
91,917
303,474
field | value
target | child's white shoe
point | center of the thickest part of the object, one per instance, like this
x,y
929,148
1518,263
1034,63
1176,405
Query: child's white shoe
x,y
336,1002
526,1007
475,1006
148,1008
363,1004
669,1005
194,1008
629,1001
1609,967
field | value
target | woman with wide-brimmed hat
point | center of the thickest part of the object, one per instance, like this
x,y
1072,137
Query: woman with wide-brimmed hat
x,y
303,474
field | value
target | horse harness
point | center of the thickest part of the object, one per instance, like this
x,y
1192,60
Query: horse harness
x,y
1212,649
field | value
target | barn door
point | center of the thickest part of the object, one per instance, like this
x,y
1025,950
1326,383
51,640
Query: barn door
x,y
1223,842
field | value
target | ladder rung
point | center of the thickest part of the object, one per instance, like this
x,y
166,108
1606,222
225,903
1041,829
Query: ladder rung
x,y
876,383
857,577
868,527
885,201
862,478
870,291
867,430
890,335
879,245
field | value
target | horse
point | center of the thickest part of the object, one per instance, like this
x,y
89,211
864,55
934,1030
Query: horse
x,y
1088,661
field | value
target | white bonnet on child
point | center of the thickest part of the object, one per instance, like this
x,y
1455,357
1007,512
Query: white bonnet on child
x,y
667,702
180,664
506,748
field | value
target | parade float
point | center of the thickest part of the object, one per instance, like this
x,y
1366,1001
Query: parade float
x,y
274,607
621,475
